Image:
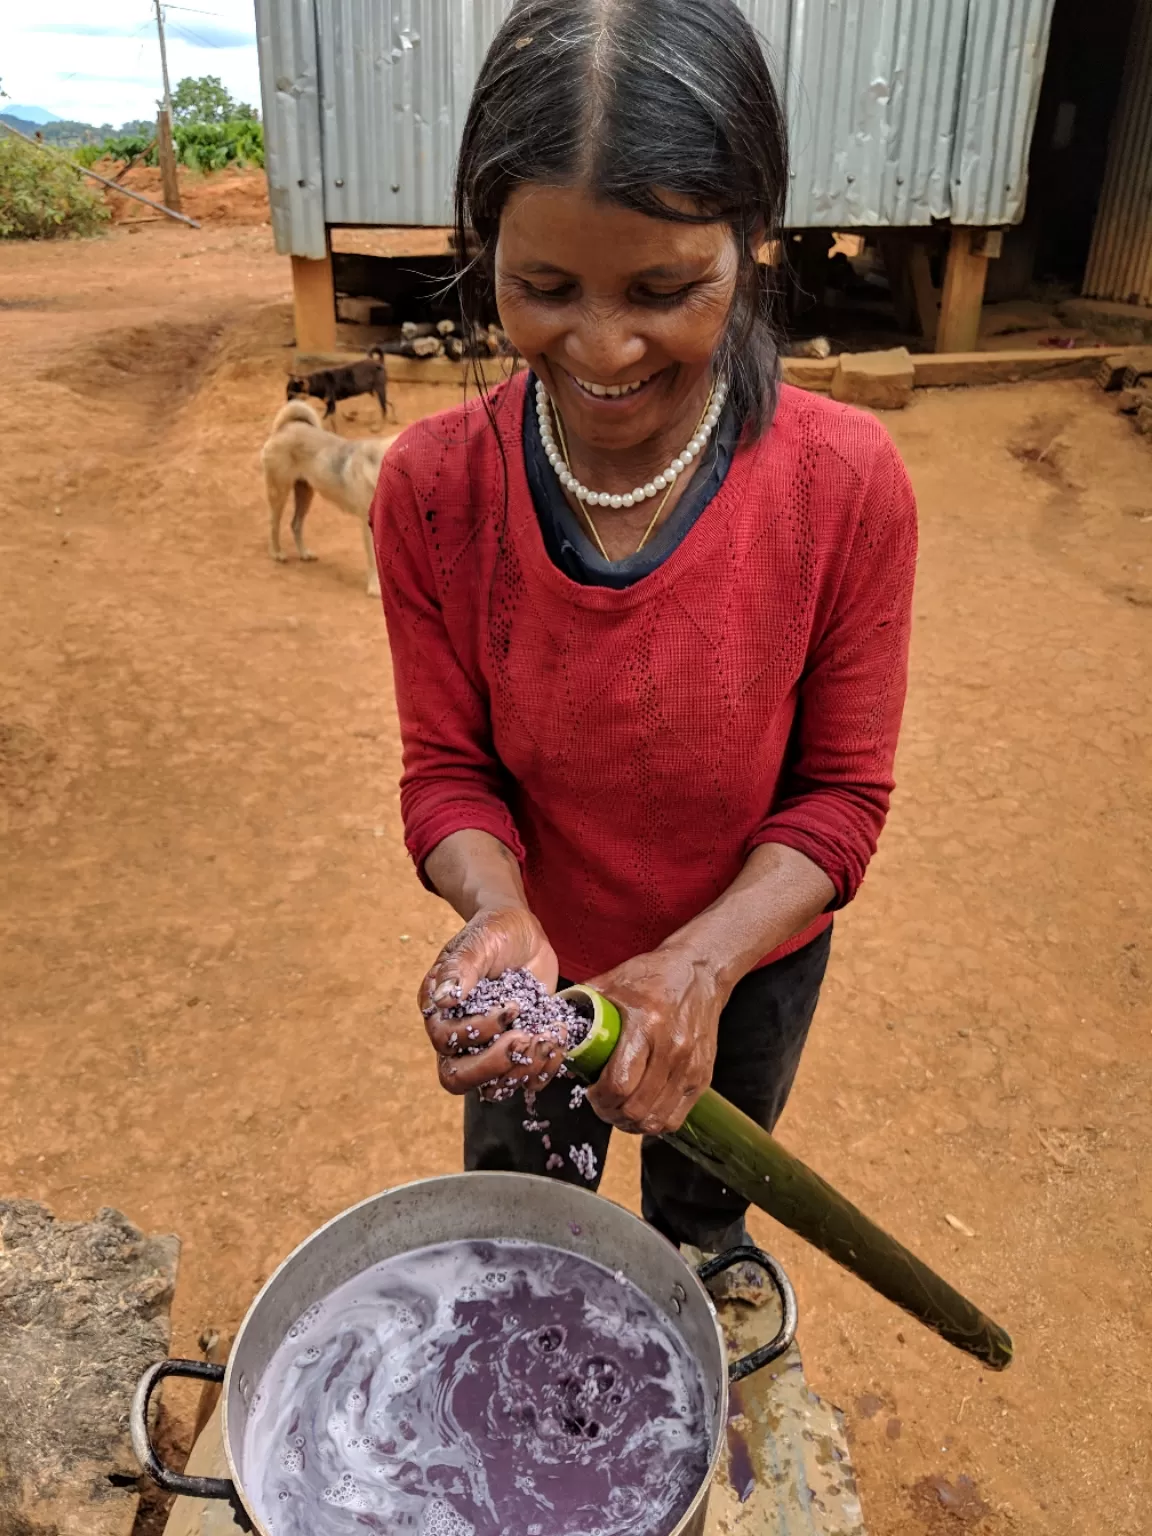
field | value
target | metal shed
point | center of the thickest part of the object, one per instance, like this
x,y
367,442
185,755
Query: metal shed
x,y
902,112
1120,264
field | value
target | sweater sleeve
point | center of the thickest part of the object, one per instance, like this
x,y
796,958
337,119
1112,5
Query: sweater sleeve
x,y
452,779
834,794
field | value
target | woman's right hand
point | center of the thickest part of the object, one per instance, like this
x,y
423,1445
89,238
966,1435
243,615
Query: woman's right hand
x,y
496,940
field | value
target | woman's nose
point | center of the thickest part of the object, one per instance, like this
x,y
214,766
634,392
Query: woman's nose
x,y
601,346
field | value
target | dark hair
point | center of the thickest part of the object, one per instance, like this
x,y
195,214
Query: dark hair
x,y
635,98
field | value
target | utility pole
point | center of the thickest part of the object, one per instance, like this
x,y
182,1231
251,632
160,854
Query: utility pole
x,y
164,146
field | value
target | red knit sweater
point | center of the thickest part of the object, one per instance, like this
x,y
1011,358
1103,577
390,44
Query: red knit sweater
x,y
631,747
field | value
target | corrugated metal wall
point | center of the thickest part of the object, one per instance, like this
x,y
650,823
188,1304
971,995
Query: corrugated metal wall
x,y
1120,263
901,111
1005,45
290,103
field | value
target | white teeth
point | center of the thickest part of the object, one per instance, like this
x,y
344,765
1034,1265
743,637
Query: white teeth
x,y
610,391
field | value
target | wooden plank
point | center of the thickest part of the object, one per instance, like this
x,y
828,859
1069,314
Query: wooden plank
x,y
963,298
314,294
938,369
394,240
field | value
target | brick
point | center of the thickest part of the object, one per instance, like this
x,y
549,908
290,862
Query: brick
x,y
878,380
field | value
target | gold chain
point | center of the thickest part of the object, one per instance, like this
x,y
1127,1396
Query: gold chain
x,y
583,505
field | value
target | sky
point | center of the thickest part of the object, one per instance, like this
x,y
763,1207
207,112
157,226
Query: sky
x,y
101,63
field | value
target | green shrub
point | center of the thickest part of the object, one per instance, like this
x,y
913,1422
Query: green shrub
x,y
199,146
42,196
212,146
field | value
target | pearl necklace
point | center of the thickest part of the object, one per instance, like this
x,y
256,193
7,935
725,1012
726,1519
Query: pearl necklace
x,y
558,458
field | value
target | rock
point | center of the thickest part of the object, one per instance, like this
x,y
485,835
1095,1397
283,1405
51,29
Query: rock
x,y
1129,401
84,1308
817,347
1144,421
879,380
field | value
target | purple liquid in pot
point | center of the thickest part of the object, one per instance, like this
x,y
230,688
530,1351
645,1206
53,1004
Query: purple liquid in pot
x,y
478,1389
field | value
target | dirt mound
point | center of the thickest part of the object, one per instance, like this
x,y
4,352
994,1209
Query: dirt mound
x,y
214,197
152,367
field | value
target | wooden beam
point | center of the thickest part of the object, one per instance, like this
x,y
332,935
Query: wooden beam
x,y
314,294
936,370
963,299
166,154
925,295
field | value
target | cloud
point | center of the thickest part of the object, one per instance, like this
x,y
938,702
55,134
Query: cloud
x,y
204,34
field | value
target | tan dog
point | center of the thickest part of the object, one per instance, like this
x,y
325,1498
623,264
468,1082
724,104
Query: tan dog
x,y
301,457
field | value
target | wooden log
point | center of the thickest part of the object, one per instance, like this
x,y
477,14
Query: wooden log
x,y
963,298
314,296
939,370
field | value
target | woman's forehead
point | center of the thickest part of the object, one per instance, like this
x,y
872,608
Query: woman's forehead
x,y
569,229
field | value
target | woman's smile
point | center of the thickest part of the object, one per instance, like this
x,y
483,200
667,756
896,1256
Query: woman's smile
x,y
612,391
610,402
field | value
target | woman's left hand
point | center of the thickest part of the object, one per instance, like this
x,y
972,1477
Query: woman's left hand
x,y
670,1005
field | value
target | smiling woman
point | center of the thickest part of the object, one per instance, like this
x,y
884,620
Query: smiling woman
x,y
648,609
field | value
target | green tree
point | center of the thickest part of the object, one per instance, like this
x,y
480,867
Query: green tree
x,y
205,100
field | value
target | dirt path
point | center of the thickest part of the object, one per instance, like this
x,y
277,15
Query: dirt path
x,y
210,938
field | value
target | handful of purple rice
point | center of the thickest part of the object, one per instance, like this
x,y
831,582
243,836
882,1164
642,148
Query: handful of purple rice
x,y
540,1013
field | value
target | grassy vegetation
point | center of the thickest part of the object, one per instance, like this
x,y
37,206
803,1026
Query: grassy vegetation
x,y
42,196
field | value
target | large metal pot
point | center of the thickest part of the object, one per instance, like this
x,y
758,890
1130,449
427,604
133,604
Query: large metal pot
x,y
470,1205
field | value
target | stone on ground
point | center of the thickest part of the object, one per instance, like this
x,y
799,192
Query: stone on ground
x,y
84,1308
878,380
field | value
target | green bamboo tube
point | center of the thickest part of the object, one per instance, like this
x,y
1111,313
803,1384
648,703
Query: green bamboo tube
x,y
743,1156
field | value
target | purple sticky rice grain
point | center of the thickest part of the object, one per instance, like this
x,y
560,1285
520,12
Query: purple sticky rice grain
x,y
537,1011
525,1005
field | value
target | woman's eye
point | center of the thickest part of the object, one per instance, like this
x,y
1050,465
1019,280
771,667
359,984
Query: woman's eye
x,y
665,299
563,291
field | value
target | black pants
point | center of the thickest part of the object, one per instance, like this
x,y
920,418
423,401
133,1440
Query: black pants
x,y
762,1034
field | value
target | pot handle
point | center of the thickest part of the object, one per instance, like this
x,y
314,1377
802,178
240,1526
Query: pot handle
x,y
747,1254
162,1476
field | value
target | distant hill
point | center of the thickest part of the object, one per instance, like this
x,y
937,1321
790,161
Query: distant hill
x,y
67,135
38,115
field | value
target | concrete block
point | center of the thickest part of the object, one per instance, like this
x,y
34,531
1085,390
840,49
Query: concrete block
x,y
878,380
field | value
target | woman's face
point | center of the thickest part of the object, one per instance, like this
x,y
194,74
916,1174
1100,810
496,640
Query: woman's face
x,y
596,297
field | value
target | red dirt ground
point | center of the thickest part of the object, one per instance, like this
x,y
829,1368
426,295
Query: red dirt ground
x,y
238,196
211,938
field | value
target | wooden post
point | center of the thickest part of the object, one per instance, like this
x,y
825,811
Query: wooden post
x,y
167,156
924,294
963,299
314,293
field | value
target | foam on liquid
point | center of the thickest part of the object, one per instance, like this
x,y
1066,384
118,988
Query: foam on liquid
x,y
478,1388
